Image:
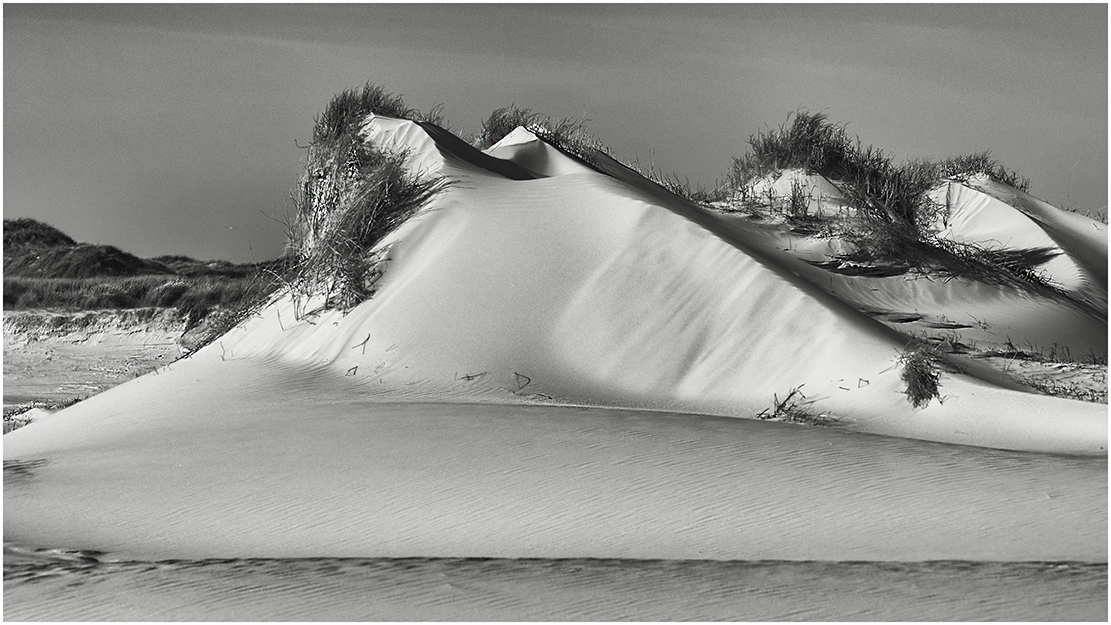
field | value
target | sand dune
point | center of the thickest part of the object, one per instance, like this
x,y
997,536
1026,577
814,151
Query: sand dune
x,y
591,290
551,368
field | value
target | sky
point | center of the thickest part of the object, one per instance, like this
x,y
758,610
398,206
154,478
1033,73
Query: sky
x,y
174,129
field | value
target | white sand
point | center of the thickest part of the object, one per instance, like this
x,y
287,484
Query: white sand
x,y
250,459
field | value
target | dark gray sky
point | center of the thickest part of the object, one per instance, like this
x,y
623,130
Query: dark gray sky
x,y
170,129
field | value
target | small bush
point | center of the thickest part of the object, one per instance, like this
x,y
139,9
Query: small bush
x,y
921,375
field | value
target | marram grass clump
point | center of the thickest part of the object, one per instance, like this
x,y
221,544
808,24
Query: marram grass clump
x,y
350,196
566,134
894,222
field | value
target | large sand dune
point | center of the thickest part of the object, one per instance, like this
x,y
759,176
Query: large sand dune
x,y
438,418
588,289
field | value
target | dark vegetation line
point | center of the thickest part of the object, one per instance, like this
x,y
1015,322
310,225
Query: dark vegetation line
x,y
44,268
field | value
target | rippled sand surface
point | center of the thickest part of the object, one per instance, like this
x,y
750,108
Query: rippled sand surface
x,y
39,587
270,474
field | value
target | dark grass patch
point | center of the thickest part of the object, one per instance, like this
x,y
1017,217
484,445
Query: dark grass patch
x,y
921,374
193,297
79,261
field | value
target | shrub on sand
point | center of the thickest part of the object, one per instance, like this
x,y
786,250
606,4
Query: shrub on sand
x,y
806,141
921,375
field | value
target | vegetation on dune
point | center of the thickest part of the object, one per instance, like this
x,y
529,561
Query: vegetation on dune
x,y
921,374
502,122
809,141
894,221
795,408
348,110
350,195
36,249
570,136
566,134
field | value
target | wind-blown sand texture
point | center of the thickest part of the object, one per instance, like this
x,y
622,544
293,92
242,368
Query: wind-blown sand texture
x,y
552,367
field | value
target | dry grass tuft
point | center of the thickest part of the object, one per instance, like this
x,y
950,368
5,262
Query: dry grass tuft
x,y
795,408
566,134
921,374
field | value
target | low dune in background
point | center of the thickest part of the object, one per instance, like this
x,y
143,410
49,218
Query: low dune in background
x,y
553,366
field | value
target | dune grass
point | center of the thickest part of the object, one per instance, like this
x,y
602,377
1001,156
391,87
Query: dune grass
x,y
501,122
882,190
894,222
350,195
570,136
567,134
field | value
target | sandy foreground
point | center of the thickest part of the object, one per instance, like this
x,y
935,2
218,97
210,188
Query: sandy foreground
x,y
536,417
216,526
549,590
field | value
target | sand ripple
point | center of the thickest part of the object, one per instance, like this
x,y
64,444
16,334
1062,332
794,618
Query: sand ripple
x,y
536,589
